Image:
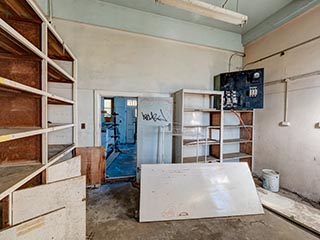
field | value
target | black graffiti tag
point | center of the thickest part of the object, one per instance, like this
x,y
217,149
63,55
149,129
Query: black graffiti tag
x,y
154,116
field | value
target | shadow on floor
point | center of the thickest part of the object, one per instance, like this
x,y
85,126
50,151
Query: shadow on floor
x,y
125,164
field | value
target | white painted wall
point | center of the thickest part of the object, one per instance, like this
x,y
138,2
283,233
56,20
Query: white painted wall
x,y
114,60
293,151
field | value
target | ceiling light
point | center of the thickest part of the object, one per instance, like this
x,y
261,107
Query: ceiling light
x,y
207,10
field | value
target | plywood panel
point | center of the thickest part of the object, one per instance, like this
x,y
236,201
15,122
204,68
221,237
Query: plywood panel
x,y
23,150
300,213
18,110
188,191
21,70
71,194
63,170
93,164
49,226
30,30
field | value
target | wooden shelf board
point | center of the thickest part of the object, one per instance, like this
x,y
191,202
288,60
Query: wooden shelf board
x,y
229,156
56,50
55,149
193,142
55,100
56,76
10,176
202,92
11,46
231,141
204,110
200,159
7,134
196,126
15,87
233,126
11,133
238,111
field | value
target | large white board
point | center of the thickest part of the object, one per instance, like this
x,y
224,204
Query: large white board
x,y
188,191
71,194
49,226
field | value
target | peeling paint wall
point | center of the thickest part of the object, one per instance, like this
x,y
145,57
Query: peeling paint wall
x,y
293,151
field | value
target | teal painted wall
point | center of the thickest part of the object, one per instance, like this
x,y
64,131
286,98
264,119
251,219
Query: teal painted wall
x,y
127,19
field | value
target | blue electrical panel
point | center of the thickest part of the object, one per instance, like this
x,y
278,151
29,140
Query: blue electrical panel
x,y
242,89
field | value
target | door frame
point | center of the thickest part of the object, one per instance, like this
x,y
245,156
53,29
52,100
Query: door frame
x,y
111,94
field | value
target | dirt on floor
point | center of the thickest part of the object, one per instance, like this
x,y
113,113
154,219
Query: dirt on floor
x,y
112,214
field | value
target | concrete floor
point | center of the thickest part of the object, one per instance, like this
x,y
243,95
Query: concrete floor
x,y
125,164
111,215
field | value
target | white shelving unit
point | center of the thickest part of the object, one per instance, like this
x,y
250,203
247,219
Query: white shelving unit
x,y
193,135
44,61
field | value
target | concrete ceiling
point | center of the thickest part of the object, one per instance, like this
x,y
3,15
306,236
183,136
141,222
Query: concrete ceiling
x,y
257,11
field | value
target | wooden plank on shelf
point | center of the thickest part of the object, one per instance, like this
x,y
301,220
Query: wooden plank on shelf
x,y
13,85
228,156
7,134
195,142
204,110
12,133
221,190
71,194
93,164
210,159
237,140
202,92
233,126
48,226
64,169
11,175
55,100
297,212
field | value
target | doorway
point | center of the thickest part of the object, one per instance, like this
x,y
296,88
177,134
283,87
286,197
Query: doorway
x,y
119,136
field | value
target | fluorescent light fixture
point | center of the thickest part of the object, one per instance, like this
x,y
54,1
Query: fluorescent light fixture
x,y
207,10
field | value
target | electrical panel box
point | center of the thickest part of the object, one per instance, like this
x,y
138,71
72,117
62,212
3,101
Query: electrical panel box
x,y
242,90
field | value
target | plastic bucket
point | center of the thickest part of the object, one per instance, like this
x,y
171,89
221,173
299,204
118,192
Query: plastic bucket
x,y
270,180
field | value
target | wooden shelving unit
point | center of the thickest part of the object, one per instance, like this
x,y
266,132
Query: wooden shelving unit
x,y
29,46
193,133
238,137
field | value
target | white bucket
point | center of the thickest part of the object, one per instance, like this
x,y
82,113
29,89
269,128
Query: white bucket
x,y
270,180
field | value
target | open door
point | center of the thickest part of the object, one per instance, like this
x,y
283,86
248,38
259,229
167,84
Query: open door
x,y
154,142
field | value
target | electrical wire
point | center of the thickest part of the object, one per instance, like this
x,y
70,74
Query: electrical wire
x,y
242,122
235,54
